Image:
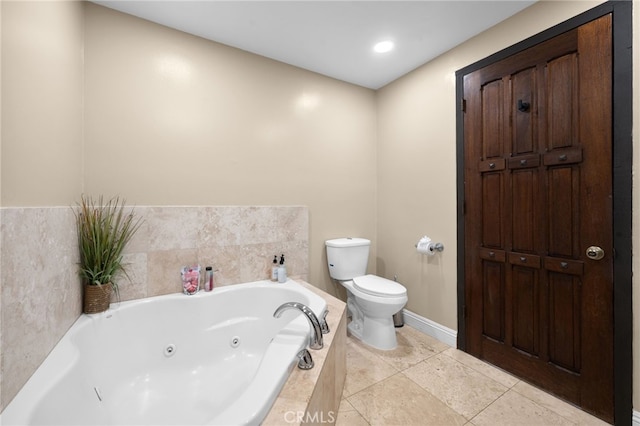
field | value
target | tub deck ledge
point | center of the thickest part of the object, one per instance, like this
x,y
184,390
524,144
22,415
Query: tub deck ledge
x,y
313,396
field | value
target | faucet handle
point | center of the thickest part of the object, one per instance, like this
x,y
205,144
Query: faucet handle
x,y
323,323
305,362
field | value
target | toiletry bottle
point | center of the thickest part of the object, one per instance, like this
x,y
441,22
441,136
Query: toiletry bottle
x,y
274,269
208,279
282,271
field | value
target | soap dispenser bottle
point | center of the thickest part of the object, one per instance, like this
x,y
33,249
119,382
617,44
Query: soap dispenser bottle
x,y
274,268
282,271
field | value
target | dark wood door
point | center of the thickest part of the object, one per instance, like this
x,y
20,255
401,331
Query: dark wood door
x,y
538,195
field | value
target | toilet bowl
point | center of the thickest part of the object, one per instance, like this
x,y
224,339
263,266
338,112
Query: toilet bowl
x,y
372,301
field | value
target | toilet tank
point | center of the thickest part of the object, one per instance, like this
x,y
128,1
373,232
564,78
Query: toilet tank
x,y
347,257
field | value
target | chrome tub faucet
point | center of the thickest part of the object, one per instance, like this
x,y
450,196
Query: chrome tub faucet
x,y
315,342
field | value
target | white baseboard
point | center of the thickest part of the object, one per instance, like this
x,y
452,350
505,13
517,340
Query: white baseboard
x,y
635,418
431,328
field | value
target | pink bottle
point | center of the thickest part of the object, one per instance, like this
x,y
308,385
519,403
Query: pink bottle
x,y
208,279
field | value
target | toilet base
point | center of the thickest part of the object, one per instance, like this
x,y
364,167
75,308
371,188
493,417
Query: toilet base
x,y
378,333
372,317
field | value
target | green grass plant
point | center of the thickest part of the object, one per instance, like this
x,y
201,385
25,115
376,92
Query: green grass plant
x,y
104,229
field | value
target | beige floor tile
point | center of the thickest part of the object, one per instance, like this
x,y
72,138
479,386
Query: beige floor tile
x,y
413,347
564,409
513,409
488,370
350,418
345,406
399,401
460,387
364,368
434,375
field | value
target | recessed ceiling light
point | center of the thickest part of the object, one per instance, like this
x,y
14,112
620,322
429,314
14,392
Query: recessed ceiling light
x,y
383,46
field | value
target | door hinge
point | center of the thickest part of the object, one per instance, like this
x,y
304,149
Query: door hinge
x,y
463,105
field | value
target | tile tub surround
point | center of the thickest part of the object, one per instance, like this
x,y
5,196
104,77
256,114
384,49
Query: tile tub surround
x,y
39,289
237,241
313,396
41,293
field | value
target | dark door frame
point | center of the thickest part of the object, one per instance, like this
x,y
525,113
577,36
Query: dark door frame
x,y
622,187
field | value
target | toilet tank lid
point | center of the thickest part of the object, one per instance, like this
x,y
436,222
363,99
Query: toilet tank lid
x,y
347,242
378,286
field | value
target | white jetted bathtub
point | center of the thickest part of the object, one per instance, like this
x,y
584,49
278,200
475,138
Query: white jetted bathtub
x,y
211,358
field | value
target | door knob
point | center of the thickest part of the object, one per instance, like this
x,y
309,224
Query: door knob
x,y
595,253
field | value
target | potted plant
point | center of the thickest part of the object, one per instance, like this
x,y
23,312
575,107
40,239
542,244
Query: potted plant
x,y
104,229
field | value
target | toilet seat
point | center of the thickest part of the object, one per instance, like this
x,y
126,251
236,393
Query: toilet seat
x,y
378,286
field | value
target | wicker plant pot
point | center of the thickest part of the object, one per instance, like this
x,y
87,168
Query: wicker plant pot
x,y
96,298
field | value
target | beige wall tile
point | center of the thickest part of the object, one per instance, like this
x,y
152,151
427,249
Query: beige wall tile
x,y
40,290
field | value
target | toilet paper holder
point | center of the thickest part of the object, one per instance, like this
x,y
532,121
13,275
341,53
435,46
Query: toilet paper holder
x,y
438,246
426,246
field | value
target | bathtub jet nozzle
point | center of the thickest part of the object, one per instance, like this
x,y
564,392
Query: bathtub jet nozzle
x,y
315,341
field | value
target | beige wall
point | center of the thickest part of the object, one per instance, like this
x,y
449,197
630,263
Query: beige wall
x,y
171,119
42,79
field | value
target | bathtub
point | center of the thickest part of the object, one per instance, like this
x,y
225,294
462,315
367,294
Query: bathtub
x,y
216,358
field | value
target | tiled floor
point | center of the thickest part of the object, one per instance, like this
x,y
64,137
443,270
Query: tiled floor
x,y
425,382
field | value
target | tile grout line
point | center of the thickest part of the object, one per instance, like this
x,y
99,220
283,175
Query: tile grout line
x,y
546,407
513,388
507,388
363,389
483,374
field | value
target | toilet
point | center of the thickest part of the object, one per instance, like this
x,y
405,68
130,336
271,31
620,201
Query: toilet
x,y
371,300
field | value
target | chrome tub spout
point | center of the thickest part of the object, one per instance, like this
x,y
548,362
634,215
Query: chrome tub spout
x,y
315,342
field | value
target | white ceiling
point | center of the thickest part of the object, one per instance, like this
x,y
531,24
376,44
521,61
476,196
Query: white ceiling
x,y
333,38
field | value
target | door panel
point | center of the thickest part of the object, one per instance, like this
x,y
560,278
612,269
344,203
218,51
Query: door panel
x,y
524,186
564,321
523,84
538,186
